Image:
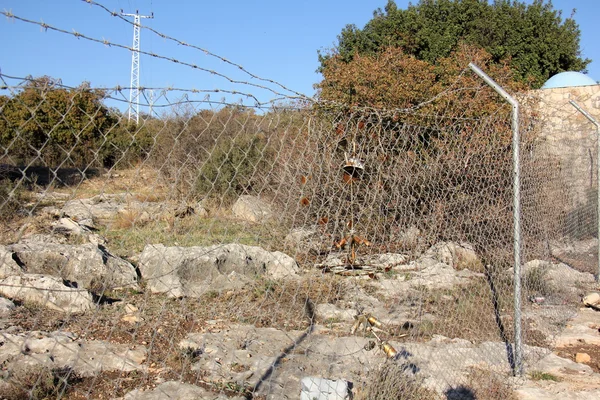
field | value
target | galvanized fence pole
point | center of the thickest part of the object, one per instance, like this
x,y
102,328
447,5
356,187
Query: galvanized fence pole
x,y
593,121
518,350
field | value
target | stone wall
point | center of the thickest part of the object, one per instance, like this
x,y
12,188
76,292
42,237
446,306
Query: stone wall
x,y
567,149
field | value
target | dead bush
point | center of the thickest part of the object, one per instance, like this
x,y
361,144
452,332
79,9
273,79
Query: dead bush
x,y
36,382
394,380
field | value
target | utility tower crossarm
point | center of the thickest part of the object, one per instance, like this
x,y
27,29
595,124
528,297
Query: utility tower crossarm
x,y
134,91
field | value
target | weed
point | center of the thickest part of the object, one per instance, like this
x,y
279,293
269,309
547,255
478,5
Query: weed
x,y
264,287
543,376
237,367
190,353
331,320
390,273
470,314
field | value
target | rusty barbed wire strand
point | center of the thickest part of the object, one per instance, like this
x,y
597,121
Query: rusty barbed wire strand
x,y
205,51
118,89
78,35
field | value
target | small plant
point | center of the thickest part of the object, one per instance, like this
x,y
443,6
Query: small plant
x,y
237,367
390,273
264,287
191,353
543,376
332,320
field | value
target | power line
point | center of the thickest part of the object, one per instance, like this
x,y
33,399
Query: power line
x,y
134,94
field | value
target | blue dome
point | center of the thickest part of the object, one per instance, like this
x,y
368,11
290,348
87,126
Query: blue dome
x,y
568,79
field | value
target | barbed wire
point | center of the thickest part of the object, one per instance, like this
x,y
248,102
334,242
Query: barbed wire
x,y
205,51
119,89
78,35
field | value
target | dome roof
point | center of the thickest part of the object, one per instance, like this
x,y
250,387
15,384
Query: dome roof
x,y
568,79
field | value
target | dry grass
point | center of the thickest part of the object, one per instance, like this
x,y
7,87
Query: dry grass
x,y
465,311
164,322
129,219
393,380
488,385
190,231
37,382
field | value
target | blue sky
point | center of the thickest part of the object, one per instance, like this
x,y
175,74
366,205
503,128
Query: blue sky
x,y
274,39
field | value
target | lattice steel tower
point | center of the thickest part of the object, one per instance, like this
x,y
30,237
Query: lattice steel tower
x,y
134,92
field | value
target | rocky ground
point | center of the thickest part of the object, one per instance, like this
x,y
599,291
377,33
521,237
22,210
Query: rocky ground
x,y
86,313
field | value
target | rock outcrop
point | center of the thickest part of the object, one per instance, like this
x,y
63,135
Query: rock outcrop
x,y
192,271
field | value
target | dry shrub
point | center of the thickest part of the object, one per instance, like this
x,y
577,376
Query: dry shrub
x,y
488,385
468,312
130,219
275,303
36,382
394,381
11,198
222,152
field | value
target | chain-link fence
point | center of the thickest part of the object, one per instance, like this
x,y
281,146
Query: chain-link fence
x,y
256,251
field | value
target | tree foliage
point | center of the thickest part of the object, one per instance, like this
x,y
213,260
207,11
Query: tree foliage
x,y
441,132
45,123
534,38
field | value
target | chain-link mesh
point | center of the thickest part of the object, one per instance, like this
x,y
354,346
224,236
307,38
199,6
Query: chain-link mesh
x,y
224,249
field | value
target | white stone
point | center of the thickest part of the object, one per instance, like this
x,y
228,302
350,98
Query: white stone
x,y
252,209
323,389
191,271
47,291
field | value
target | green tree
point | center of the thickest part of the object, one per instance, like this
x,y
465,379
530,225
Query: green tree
x,y
49,124
534,38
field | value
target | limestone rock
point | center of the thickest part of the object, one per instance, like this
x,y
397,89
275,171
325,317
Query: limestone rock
x,y
79,210
6,306
323,389
458,256
175,390
582,358
61,349
85,266
582,328
436,275
306,240
563,280
47,291
409,238
386,261
191,271
69,227
252,209
325,312
8,265
592,299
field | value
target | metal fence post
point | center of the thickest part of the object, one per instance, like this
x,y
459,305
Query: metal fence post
x,y
593,121
518,351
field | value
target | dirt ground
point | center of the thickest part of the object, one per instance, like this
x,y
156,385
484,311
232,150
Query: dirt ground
x,y
591,349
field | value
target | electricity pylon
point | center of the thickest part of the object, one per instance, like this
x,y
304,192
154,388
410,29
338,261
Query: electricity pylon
x,y
134,91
